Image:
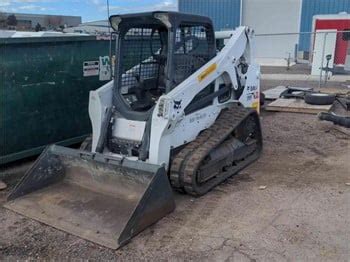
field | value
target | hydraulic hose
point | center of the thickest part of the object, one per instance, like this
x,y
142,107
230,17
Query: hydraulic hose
x,y
337,120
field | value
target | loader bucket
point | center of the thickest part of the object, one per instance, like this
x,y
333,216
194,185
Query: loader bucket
x,y
104,200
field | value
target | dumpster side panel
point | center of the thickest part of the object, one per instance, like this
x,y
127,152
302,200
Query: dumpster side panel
x,y
44,94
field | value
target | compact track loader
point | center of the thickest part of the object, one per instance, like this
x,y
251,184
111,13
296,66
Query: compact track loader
x,y
177,115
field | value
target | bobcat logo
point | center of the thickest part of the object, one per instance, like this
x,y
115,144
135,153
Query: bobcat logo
x,y
177,104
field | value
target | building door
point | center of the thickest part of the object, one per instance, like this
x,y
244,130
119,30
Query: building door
x,y
324,47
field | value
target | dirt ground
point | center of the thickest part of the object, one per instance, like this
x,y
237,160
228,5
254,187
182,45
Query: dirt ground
x,y
302,214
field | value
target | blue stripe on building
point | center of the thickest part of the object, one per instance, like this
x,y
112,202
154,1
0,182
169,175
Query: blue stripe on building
x,y
224,13
318,7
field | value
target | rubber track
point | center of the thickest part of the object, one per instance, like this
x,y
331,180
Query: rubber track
x,y
186,163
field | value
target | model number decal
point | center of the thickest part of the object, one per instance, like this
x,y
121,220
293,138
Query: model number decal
x,y
206,72
251,88
197,117
252,96
91,68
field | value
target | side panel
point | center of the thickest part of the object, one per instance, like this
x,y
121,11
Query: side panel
x,y
251,94
224,13
44,93
324,45
257,14
99,101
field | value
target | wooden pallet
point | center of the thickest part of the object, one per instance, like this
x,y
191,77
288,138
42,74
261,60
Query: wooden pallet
x,y
296,106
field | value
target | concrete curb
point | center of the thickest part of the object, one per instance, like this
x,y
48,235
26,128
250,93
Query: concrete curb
x,y
301,77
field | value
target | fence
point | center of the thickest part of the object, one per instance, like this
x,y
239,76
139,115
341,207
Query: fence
x,y
328,54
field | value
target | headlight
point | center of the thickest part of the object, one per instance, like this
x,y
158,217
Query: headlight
x,y
163,108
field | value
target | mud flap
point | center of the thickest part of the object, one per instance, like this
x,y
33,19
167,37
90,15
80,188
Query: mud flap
x,y
102,199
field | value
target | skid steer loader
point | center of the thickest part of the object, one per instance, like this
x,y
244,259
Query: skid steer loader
x,y
177,115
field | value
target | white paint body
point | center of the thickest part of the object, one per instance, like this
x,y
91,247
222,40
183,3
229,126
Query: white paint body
x,y
325,41
170,127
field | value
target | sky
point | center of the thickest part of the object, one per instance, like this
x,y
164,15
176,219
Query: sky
x,y
89,10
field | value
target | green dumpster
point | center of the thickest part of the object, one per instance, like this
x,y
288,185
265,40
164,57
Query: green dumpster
x,y
44,91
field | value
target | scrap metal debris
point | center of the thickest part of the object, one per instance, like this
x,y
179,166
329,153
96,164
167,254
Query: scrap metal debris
x,y
2,185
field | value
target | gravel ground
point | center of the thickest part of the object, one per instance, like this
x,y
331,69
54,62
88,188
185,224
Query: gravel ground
x,y
302,214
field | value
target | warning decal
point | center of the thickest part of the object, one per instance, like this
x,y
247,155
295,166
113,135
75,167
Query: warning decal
x,y
91,68
207,72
